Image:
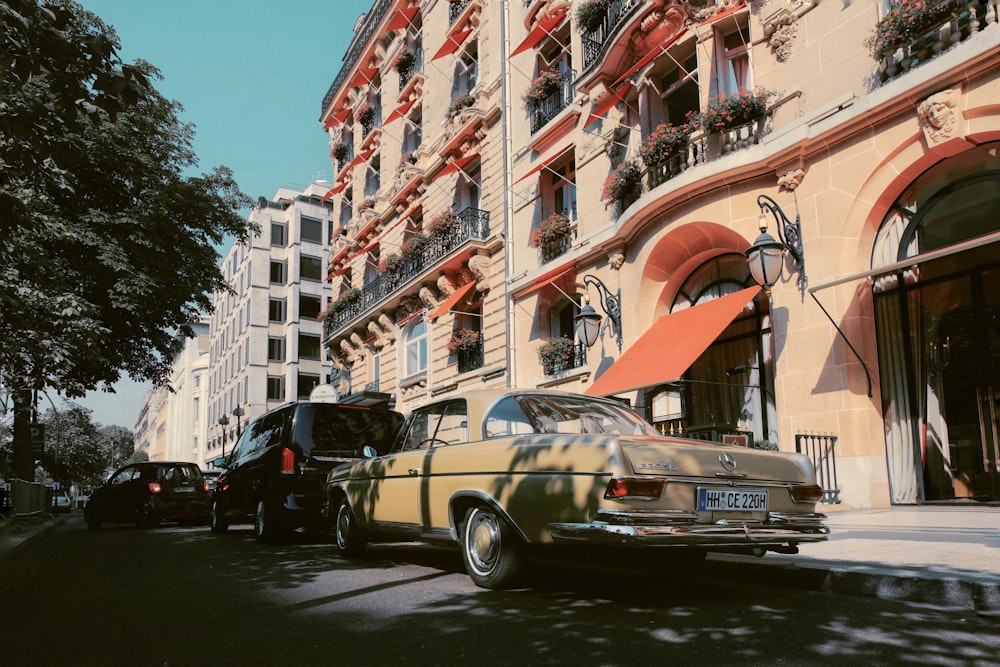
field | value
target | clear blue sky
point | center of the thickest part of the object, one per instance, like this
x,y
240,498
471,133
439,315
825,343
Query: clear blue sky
x,y
251,75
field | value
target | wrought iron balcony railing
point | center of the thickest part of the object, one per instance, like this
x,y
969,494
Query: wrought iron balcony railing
x,y
578,359
594,42
473,225
455,10
550,107
471,358
361,38
416,67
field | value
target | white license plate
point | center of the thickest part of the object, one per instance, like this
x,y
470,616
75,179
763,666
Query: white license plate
x,y
732,500
184,489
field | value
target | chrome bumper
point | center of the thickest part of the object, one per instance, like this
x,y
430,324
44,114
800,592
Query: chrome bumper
x,y
683,529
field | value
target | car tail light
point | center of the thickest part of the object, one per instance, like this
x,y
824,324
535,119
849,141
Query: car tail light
x,y
154,487
634,487
287,462
807,493
206,486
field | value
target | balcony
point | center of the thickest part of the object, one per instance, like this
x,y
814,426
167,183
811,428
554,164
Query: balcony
x,y
473,225
470,359
455,10
577,360
406,75
547,109
594,42
549,251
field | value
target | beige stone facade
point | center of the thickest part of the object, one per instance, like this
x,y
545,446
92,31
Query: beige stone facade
x,y
863,351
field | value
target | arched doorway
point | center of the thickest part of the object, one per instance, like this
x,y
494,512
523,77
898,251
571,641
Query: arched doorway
x,y
937,315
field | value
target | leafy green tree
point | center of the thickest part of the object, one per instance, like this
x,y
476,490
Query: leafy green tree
x,y
106,246
73,448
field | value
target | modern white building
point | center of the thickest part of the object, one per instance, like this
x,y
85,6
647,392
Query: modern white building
x,y
265,335
185,418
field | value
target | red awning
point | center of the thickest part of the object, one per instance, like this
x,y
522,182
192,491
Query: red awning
x,y
365,75
336,118
400,111
671,345
541,29
544,163
334,191
451,44
457,165
402,18
614,98
650,57
547,279
361,157
450,302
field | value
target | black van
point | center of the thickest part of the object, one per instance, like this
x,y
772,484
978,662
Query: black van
x,y
276,473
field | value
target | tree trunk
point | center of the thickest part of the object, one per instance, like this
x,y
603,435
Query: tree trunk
x,y
24,456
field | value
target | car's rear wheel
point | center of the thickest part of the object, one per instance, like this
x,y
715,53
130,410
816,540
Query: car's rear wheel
x,y
218,521
351,538
494,555
91,517
266,523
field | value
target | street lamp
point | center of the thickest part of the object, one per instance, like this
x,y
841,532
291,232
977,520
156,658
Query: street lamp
x,y
766,255
238,412
223,422
588,321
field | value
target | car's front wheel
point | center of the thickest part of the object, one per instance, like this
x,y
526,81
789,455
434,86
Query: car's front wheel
x,y
351,538
218,521
494,555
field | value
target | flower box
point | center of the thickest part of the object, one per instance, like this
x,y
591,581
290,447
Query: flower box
x,y
590,15
905,21
556,354
413,247
365,113
541,88
663,143
551,230
339,152
444,223
459,103
725,112
622,183
404,62
464,340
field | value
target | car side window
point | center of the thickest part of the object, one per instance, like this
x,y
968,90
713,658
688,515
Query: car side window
x,y
506,418
270,430
245,443
123,476
438,424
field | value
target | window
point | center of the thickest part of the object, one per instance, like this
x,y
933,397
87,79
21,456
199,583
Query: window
x,y
468,189
346,213
371,265
733,70
562,316
275,388
439,424
680,89
307,382
412,131
372,176
311,268
309,346
309,307
279,273
276,310
279,235
276,348
563,183
312,230
415,348
466,73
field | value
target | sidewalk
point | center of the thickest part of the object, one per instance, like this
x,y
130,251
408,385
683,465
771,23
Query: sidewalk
x,y
947,556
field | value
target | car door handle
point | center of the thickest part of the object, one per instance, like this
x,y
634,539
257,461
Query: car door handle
x,y
413,472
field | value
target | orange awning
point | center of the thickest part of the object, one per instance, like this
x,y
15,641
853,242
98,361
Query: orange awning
x,y
400,111
547,279
450,302
365,75
611,100
334,191
361,157
457,165
402,18
650,57
541,29
451,44
671,345
544,163
336,118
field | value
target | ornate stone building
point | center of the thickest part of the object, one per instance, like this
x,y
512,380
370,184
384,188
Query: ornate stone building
x,y
638,161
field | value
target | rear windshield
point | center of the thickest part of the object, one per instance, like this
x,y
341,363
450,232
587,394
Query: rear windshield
x,y
180,472
329,427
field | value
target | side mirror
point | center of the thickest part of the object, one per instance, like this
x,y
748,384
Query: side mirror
x,y
219,462
369,452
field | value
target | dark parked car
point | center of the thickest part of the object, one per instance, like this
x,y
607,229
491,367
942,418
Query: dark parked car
x,y
276,473
150,492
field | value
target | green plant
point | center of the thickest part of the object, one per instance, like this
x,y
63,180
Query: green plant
x,y
347,298
622,182
365,113
905,21
540,89
409,157
663,143
766,445
404,61
391,263
414,246
550,230
555,352
339,151
590,15
444,222
459,103
464,339
725,112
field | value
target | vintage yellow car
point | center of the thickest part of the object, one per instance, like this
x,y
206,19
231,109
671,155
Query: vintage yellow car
x,y
506,472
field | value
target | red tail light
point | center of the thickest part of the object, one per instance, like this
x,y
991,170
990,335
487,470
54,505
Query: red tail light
x,y
803,493
154,487
634,487
206,486
287,462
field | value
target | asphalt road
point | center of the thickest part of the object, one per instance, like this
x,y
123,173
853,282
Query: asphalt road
x,y
183,596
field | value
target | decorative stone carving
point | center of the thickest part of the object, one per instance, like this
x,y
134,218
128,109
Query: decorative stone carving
x,y
350,352
381,339
428,298
616,259
388,327
939,117
358,343
791,180
479,265
445,285
780,29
